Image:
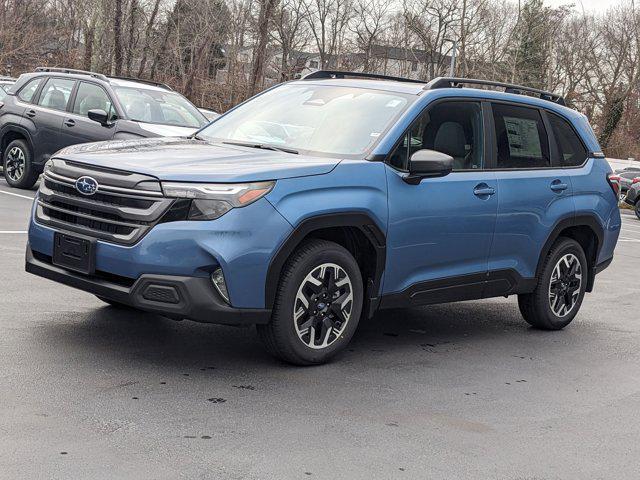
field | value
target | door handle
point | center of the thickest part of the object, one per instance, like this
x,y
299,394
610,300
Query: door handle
x,y
483,190
70,123
558,186
31,113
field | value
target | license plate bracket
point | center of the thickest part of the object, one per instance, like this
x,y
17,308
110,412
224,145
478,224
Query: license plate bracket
x,y
74,253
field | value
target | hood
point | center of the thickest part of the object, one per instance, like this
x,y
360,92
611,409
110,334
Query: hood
x,y
166,130
190,160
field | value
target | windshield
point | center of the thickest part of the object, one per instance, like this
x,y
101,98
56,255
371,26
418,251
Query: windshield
x,y
155,106
318,119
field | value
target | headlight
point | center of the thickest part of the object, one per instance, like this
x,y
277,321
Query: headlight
x,y
212,200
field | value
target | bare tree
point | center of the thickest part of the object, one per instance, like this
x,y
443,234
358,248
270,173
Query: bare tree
x,y
117,38
370,19
290,34
267,8
328,20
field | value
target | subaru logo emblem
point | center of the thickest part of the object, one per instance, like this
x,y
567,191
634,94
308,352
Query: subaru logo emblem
x,y
86,185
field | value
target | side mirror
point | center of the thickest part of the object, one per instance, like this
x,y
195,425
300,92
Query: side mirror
x,y
98,115
428,164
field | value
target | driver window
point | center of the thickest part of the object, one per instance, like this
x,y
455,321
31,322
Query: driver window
x,y
92,97
454,128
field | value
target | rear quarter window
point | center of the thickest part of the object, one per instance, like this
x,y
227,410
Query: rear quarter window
x,y
571,150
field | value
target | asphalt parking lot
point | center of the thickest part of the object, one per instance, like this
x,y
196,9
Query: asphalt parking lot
x,y
463,390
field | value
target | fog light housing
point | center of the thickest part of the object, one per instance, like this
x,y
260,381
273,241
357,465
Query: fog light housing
x,y
217,278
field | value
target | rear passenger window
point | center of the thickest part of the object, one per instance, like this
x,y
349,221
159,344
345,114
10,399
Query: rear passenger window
x,y
56,93
27,92
570,149
521,137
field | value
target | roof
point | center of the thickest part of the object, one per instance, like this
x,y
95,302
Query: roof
x,y
120,82
384,85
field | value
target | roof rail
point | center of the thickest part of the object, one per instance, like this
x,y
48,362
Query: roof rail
x,y
8,79
325,74
140,80
454,82
71,70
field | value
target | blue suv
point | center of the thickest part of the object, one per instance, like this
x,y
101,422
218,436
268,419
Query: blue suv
x,y
318,202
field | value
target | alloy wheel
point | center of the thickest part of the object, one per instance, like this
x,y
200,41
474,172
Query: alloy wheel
x,y
323,304
15,164
565,285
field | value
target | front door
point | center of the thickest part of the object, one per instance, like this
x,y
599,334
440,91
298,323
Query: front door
x,y
440,231
77,127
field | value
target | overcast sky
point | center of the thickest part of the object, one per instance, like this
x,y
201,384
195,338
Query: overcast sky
x,y
593,5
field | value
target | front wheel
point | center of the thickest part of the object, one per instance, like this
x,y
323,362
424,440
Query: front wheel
x,y
317,306
560,289
17,163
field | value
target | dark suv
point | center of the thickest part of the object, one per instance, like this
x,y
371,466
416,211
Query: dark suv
x,y
53,108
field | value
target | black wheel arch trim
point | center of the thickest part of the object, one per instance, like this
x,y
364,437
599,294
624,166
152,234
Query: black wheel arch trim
x,y
359,220
575,221
16,129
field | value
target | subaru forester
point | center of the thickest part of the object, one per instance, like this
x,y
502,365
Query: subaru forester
x,y
319,202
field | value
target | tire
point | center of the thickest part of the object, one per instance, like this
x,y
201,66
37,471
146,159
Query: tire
x,y
303,341
17,164
637,209
115,304
543,308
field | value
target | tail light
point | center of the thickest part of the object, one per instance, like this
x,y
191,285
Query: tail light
x,y
635,180
614,181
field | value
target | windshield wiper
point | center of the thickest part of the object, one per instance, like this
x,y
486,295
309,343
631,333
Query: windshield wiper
x,y
264,146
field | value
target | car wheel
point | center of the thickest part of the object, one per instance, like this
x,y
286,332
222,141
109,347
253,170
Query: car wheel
x,y
637,210
317,306
560,288
19,171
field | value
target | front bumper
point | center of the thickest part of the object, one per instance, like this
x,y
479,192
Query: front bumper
x,y
173,296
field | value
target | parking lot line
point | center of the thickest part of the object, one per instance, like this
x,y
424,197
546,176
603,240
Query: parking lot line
x,y
16,195
13,231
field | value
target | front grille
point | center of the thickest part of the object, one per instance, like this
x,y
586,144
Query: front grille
x,y
124,208
99,197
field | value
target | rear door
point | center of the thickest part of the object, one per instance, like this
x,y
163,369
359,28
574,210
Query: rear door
x,y
77,127
48,114
534,192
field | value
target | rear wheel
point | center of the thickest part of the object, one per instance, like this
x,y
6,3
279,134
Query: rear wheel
x,y
19,171
560,289
317,306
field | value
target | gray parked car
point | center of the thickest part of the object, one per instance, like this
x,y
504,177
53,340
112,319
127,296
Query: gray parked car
x,y
53,108
633,198
5,85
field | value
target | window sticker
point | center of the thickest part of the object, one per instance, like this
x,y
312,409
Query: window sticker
x,y
523,137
